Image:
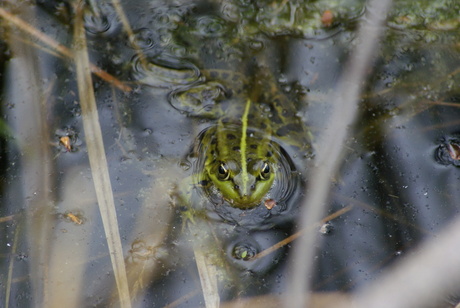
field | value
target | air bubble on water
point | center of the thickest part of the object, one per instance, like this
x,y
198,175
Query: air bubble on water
x,y
147,132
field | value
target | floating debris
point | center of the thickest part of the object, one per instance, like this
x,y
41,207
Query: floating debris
x,y
75,218
270,203
327,18
448,153
326,228
244,252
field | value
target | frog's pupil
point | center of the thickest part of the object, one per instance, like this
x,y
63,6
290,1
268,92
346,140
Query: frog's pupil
x,y
222,170
266,168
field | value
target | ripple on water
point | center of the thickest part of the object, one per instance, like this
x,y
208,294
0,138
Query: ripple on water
x,y
198,99
211,26
144,39
101,20
164,71
244,247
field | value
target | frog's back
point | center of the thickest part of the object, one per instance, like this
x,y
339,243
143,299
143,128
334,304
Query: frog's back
x,y
271,110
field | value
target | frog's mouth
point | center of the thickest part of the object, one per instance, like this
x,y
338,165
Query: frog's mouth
x,y
243,202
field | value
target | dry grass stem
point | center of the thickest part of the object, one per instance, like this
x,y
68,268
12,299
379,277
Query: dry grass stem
x,y
208,278
24,26
330,147
6,218
98,162
30,126
182,299
129,30
421,280
316,300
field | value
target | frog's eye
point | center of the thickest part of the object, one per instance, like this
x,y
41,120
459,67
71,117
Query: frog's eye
x,y
265,171
222,172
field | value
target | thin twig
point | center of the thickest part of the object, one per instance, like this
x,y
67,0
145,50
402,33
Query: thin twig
x,y
129,31
294,236
182,299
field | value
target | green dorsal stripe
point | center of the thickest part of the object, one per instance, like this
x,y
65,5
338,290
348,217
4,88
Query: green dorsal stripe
x,y
243,145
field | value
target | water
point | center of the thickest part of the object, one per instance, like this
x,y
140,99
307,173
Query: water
x,y
397,185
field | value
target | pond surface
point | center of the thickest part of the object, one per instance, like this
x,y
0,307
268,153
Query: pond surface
x,y
173,72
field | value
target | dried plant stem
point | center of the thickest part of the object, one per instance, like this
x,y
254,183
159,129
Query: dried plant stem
x,y
208,278
31,132
6,218
61,49
124,20
296,235
427,277
329,150
98,162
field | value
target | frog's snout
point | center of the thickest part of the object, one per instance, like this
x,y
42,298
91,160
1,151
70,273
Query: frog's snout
x,y
245,185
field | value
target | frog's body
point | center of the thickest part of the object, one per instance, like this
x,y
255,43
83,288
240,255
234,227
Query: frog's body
x,y
239,158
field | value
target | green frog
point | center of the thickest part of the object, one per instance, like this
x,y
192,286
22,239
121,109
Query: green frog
x,y
242,157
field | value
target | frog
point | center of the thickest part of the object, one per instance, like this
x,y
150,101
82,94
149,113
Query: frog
x,y
241,158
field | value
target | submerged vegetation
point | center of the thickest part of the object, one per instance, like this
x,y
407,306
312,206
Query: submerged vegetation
x,y
160,153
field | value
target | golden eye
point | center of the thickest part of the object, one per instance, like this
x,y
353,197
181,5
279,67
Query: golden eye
x,y
265,171
222,172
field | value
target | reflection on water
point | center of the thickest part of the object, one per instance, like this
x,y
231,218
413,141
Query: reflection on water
x,y
398,181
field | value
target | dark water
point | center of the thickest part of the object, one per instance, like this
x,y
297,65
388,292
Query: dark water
x,y
398,181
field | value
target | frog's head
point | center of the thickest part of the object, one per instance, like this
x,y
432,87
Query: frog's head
x,y
241,170
242,185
